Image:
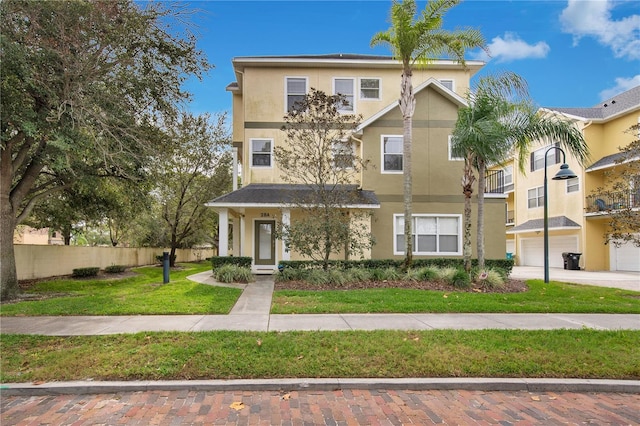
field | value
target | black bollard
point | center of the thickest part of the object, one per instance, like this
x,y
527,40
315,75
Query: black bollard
x,y
165,267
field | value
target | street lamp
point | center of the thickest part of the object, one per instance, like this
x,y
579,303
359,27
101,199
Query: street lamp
x,y
563,174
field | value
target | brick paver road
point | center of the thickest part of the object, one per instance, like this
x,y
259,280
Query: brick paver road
x,y
340,407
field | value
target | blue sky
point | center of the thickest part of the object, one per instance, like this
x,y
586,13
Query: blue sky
x,y
573,53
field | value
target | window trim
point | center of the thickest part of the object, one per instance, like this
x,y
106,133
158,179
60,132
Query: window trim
x,y
576,184
251,165
451,157
397,251
453,83
360,88
538,195
353,95
286,91
382,153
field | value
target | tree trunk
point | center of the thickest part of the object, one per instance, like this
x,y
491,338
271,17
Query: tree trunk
x,y
467,189
482,168
8,274
407,106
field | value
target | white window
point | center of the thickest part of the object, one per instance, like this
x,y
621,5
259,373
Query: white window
x,y
370,88
451,156
448,83
343,154
261,152
391,154
346,88
507,173
573,185
535,197
295,91
537,158
431,234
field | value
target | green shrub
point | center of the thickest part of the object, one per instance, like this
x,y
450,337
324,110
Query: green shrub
x,y
412,275
429,273
446,274
460,279
336,277
494,279
233,274
85,272
391,274
241,261
114,269
317,276
290,274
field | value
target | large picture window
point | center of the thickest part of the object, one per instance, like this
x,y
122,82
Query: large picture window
x,y
432,234
261,152
391,154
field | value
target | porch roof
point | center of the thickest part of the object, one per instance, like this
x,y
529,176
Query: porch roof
x,y
556,222
284,195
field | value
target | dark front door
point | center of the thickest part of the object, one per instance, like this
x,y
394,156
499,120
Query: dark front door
x,y
265,242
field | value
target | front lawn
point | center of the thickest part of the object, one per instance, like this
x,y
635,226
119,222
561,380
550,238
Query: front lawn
x,y
230,355
140,294
554,297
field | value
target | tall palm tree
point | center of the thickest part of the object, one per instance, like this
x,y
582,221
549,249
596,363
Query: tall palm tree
x,y
417,41
501,121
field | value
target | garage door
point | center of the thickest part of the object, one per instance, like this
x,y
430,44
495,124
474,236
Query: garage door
x,y
625,258
533,250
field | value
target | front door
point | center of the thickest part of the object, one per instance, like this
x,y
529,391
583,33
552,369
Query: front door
x,y
265,242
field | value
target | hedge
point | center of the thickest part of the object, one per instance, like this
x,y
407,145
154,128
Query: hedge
x,y
85,272
242,261
504,264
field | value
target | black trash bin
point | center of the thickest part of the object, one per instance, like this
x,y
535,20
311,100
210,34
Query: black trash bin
x,y
571,261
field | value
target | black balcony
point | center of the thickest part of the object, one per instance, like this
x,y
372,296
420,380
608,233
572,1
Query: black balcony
x,y
612,201
495,182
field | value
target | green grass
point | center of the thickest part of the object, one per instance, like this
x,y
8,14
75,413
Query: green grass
x,y
581,353
550,298
143,294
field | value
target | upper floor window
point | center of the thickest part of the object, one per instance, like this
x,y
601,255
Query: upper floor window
x,y
370,88
573,185
452,157
507,175
391,154
345,87
261,152
537,158
431,234
296,90
535,197
343,154
448,83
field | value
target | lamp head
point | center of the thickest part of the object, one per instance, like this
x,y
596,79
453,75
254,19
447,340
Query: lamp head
x,y
564,173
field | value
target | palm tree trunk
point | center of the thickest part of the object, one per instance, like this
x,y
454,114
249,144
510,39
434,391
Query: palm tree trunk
x,y
482,167
467,189
407,106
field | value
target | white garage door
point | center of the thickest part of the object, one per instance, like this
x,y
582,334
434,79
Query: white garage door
x,y
625,258
533,250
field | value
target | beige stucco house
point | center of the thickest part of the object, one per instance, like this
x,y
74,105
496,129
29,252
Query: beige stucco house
x,y
266,87
578,213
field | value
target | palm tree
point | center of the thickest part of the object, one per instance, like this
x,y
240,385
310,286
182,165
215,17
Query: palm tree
x,y
417,42
501,121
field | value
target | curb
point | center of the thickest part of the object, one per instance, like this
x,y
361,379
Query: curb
x,y
329,384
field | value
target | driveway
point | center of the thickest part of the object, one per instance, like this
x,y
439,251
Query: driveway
x,y
615,279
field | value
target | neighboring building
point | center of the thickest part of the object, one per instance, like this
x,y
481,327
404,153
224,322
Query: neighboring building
x,y
267,86
27,235
577,213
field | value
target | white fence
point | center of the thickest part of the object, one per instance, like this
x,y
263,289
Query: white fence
x,y
40,261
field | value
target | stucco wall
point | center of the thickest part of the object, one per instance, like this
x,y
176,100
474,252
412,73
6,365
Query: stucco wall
x,y
38,261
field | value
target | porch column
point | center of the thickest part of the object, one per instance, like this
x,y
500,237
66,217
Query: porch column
x,y
286,220
241,238
223,232
235,234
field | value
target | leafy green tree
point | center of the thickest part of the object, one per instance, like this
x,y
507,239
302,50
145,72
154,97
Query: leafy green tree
x,y
196,169
416,41
84,84
500,121
321,159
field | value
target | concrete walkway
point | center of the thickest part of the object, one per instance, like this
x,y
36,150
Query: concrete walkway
x,y
251,313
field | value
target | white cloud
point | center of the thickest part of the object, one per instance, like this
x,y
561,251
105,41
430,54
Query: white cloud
x,y
511,48
592,18
622,85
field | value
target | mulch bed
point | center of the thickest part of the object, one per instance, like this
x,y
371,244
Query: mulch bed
x,y
511,286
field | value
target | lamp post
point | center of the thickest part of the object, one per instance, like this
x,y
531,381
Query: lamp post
x,y
563,174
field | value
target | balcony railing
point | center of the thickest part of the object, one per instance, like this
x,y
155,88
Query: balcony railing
x,y
613,201
495,182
